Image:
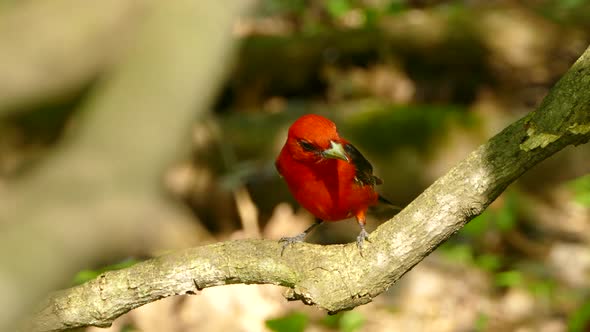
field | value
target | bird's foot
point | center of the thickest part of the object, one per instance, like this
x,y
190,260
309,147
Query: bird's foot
x,y
287,241
360,239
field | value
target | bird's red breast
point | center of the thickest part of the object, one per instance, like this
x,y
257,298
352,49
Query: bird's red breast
x,y
325,173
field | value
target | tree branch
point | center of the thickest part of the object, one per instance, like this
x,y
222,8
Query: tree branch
x,y
336,277
37,43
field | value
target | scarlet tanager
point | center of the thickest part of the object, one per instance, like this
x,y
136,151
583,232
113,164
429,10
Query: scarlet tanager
x,y
327,175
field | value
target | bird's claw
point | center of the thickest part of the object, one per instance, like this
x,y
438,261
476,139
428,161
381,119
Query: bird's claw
x,y
360,239
287,241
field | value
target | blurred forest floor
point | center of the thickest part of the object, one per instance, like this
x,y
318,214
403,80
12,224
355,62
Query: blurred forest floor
x,y
416,85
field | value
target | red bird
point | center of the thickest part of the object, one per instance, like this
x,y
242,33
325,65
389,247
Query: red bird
x,y
327,175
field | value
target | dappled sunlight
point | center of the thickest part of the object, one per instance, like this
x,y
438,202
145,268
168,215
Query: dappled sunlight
x,y
132,130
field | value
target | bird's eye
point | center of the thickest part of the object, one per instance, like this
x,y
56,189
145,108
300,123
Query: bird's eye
x,y
307,146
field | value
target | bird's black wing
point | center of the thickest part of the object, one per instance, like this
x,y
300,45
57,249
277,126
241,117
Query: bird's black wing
x,y
364,169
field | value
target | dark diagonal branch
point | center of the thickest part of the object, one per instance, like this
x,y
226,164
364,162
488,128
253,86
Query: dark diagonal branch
x,y
335,277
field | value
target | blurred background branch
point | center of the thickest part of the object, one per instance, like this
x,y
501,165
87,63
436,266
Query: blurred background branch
x,y
99,194
51,50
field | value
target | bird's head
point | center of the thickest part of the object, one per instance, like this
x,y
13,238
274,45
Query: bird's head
x,y
314,138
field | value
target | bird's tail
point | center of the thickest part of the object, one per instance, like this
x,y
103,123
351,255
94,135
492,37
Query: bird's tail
x,y
384,209
384,200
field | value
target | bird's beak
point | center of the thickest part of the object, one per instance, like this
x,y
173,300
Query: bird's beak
x,y
336,151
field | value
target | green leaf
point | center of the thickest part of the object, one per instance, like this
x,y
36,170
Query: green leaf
x,y
506,216
293,322
87,275
481,322
371,17
279,7
509,279
396,7
489,262
581,189
337,8
128,328
351,321
401,126
579,321
570,4
459,252
478,226
332,321
543,289
84,276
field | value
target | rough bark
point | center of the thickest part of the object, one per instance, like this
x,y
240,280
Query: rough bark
x,y
337,277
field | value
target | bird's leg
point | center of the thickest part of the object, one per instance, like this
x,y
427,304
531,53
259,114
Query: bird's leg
x,y
299,238
363,235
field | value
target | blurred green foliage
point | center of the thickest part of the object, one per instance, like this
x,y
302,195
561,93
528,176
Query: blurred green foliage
x,y
128,328
457,252
87,275
506,216
512,278
579,321
489,262
543,289
383,128
581,189
293,322
569,12
561,10
396,6
463,247
569,4
338,8
481,323
507,269
348,321
478,225
503,219
273,7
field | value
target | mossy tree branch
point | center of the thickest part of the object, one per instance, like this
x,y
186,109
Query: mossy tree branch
x,y
336,277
